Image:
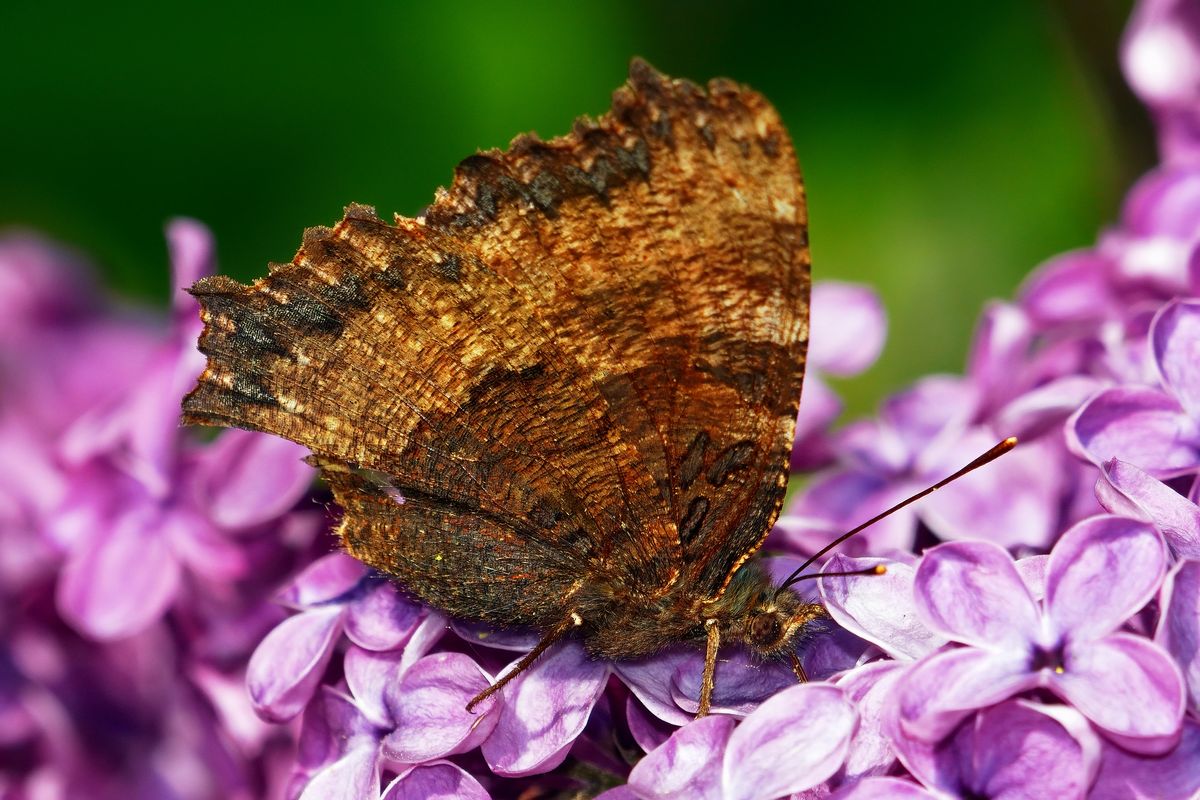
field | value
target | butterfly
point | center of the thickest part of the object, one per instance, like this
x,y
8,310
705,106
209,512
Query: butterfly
x,y
564,395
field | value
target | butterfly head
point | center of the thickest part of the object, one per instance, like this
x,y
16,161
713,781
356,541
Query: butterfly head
x,y
764,619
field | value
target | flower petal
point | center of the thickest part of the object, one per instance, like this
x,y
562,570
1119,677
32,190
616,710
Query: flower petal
x,y
206,550
352,777
1179,626
971,592
438,781
890,788
193,256
935,694
369,675
792,742
382,618
1026,751
118,584
1032,570
1127,686
288,666
1101,572
247,479
1128,776
1175,337
619,793
323,581
1000,348
879,608
337,750
1044,408
429,708
871,688
520,640
648,730
1013,502
544,710
1143,426
848,328
1072,287
1124,489
687,765
741,682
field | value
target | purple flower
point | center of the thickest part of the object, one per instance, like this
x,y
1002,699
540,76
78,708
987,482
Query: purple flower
x,y
401,710
1179,626
794,741
1100,573
846,334
145,504
1127,776
1156,429
335,595
923,435
1160,54
1015,750
1126,490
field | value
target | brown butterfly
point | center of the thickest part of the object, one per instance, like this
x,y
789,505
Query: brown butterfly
x,y
564,396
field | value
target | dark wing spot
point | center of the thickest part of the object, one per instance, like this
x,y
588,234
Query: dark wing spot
x,y
732,458
448,268
693,520
347,292
306,314
546,193
251,390
693,460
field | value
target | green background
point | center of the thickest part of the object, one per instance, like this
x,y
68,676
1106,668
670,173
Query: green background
x,y
947,147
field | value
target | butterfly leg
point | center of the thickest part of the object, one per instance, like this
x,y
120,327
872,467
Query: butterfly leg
x,y
710,667
550,638
798,668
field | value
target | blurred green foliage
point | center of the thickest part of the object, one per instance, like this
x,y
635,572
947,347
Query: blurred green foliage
x,y
948,147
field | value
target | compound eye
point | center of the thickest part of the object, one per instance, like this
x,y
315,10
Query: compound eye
x,y
765,629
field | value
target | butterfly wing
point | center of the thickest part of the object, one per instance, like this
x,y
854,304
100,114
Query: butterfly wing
x,y
588,351
464,445
666,245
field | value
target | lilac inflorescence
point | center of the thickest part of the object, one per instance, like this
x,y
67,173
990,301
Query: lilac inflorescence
x,y
177,622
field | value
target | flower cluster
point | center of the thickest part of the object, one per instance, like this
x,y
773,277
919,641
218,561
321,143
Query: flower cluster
x,y
136,561
175,620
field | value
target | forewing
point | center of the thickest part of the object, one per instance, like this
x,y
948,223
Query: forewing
x,y
398,353
665,244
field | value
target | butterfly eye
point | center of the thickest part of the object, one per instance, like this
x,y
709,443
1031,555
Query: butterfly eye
x,y
764,631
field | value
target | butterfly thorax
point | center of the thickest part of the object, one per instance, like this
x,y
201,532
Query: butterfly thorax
x,y
749,611
753,612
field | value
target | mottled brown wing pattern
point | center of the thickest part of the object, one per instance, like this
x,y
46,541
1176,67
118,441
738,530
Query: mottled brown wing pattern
x,y
397,352
581,365
666,244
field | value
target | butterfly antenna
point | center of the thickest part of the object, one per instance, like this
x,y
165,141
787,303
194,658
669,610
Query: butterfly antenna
x,y
988,457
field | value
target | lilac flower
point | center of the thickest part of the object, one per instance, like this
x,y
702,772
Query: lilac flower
x,y
1127,776
1179,626
1100,573
145,505
923,435
1124,489
1011,751
1156,429
335,594
401,710
846,334
792,742
1160,54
